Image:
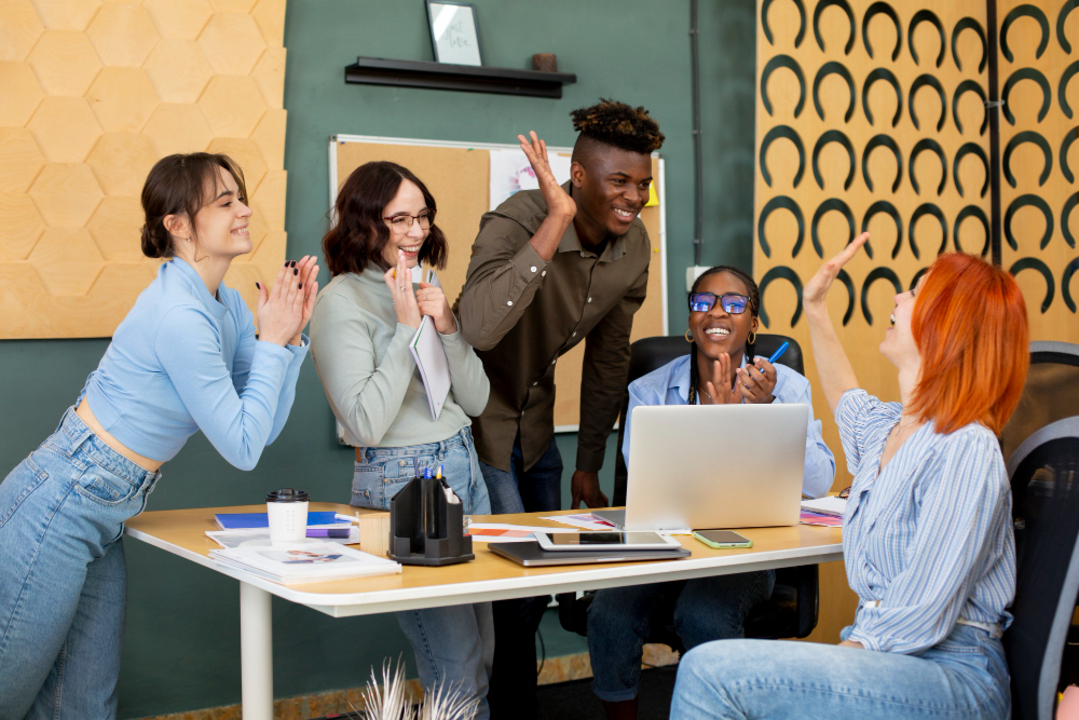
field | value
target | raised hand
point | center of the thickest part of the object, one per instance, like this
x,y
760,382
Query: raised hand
x,y
559,203
816,290
715,384
282,310
432,301
399,281
756,381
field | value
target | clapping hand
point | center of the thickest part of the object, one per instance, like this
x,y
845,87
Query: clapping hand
x,y
399,281
715,386
284,310
559,203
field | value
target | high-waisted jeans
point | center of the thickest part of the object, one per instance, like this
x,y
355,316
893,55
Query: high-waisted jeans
x,y
453,645
964,677
63,576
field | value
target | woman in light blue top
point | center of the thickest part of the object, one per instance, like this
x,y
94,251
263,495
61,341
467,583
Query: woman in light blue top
x,y
185,358
360,333
927,535
720,368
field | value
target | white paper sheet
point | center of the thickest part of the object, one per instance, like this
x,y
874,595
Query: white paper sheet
x,y
505,532
829,505
584,521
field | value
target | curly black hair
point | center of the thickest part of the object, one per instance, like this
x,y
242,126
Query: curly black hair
x,y
620,125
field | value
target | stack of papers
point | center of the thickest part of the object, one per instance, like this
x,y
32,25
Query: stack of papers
x,y
304,563
344,534
828,505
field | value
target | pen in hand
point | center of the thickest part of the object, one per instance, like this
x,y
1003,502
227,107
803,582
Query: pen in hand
x,y
778,353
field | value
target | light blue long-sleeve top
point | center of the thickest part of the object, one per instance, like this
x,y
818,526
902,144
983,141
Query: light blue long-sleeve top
x,y
182,361
669,385
928,541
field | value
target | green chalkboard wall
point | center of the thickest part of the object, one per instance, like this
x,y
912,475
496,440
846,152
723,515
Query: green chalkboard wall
x,y
182,647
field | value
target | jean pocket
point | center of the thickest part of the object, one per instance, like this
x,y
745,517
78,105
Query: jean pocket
x,y
104,487
22,481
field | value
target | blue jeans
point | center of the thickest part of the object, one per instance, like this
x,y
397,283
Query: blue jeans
x,y
537,489
621,620
964,676
63,576
453,645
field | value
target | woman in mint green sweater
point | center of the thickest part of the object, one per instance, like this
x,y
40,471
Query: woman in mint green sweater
x,y
360,332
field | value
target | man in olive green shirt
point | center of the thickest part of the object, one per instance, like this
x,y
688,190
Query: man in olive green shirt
x,y
550,268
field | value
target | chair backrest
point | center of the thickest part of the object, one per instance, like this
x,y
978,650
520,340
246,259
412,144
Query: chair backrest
x,y
1051,393
1044,474
648,354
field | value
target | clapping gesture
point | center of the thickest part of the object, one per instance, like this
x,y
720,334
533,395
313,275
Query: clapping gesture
x,y
284,309
715,384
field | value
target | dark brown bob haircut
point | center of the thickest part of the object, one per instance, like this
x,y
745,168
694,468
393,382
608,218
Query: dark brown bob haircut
x,y
181,185
361,234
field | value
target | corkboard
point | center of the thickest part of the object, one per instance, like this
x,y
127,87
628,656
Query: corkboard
x,y
458,175
93,94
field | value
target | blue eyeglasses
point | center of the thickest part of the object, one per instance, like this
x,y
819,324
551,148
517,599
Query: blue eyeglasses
x,y
705,301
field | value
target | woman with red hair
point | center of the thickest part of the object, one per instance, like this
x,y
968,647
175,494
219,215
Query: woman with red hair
x,y
927,535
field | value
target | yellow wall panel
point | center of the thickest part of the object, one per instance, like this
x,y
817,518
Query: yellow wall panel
x,y
181,20
22,94
122,98
65,128
178,70
66,14
20,28
22,225
65,62
123,34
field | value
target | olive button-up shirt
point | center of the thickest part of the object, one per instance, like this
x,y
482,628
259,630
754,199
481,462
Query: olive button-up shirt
x,y
522,312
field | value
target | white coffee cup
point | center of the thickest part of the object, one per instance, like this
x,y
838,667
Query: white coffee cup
x,y
287,512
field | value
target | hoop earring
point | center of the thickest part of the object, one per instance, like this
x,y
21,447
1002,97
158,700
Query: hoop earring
x,y
689,338
751,338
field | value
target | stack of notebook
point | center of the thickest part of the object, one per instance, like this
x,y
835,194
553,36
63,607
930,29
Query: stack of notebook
x,y
304,563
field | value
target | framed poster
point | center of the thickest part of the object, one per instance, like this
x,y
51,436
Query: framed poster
x,y
455,34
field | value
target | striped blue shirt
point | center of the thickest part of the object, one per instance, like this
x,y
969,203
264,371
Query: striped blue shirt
x,y
928,540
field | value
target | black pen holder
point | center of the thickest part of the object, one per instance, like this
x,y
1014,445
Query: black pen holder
x,y
426,528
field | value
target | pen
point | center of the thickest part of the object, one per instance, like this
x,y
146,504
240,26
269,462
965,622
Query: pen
x,y
328,532
439,475
779,352
346,518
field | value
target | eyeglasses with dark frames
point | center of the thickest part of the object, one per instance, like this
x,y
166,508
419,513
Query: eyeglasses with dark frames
x,y
730,302
401,224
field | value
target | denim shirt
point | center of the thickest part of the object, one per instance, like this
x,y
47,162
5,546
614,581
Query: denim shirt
x,y
669,385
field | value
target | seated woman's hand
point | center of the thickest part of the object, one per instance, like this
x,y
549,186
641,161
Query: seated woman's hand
x,y
715,388
432,301
284,309
757,381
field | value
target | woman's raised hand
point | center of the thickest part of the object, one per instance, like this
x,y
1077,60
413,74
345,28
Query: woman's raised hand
x,y
715,388
284,309
558,201
399,281
816,290
432,301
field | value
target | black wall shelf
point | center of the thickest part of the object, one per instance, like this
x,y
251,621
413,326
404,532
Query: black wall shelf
x,y
467,78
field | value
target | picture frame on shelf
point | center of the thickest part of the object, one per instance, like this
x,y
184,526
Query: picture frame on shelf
x,y
455,32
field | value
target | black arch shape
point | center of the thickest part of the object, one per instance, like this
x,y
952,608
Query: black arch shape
x,y
917,276
844,278
970,149
790,63
920,82
975,212
825,207
782,131
831,136
1065,146
781,202
1062,91
1021,202
785,273
878,8
881,273
885,141
1033,263
1025,137
843,5
1065,216
919,147
1047,94
883,206
920,17
1026,10
1061,37
969,23
927,209
768,30
830,68
965,87
889,76
1065,283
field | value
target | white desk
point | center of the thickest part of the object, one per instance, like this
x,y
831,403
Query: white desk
x,y
488,577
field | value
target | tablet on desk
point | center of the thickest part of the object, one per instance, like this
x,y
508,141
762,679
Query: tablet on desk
x,y
605,540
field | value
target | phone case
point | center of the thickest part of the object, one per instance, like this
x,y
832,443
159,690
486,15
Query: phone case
x,y
718,546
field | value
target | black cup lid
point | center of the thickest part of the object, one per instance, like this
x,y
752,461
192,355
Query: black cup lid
x,y
286,495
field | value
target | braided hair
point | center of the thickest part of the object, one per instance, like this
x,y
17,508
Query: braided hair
x,y
614,123
754,307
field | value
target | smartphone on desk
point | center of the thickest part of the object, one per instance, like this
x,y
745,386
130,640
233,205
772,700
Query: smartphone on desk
x,y
722,539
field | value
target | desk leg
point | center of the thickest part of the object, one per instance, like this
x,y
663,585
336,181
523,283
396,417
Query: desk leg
x,y
256,653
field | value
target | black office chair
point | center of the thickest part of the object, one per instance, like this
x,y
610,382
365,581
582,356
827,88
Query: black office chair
x,y
1051,393
1044,474
792,610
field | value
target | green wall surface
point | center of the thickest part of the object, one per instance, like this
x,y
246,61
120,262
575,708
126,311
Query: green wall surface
x,y
182,645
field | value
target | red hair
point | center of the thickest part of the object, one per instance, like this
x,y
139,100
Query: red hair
x,y
970,325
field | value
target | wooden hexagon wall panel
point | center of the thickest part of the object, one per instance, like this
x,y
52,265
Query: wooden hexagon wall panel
x,y
94,94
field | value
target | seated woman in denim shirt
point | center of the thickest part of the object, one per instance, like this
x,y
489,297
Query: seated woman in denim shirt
x,y
927,536
184,359
360,333
723,305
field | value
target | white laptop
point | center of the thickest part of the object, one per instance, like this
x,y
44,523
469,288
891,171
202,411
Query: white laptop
x,y
714,466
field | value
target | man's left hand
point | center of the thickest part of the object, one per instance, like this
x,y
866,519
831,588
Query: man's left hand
x,y
585,486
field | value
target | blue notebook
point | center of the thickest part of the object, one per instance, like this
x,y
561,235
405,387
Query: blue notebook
x,y
237,521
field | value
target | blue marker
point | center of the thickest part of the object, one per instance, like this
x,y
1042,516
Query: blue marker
x,y
776,355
